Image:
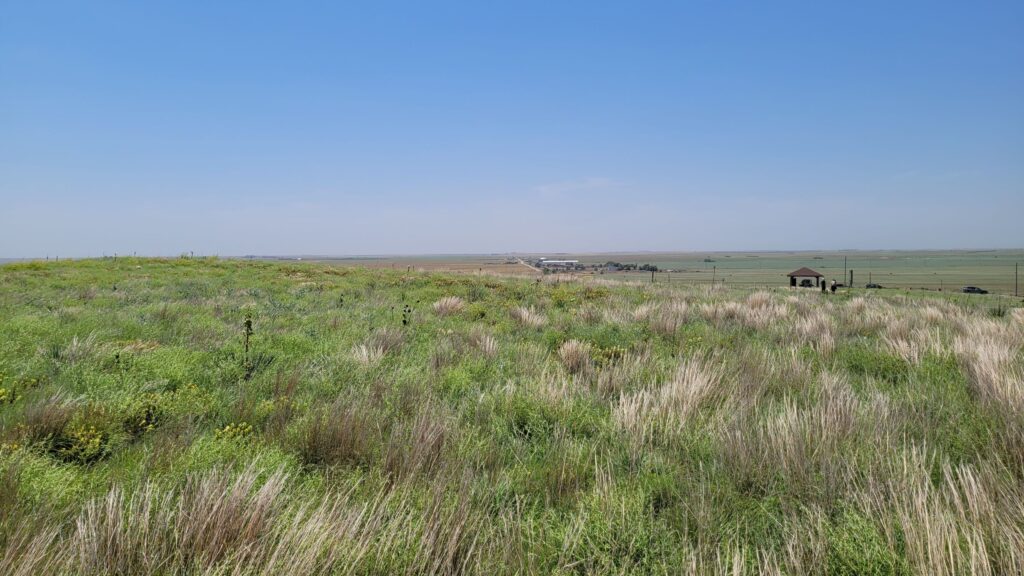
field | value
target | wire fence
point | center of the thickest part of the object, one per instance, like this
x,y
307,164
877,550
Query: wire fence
x,y
1002,283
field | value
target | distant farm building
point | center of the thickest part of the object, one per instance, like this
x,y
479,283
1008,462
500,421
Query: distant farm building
x,y
805,274
558,264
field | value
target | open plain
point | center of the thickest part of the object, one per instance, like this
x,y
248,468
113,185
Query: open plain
x,y
934,270
203,416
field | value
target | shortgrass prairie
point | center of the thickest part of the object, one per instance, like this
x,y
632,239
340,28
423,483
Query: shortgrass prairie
x,y
198,416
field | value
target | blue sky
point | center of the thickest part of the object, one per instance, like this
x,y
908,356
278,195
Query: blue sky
x,y
469,127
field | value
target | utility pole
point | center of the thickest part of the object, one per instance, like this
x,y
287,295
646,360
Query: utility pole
x,y
844,266
1016,266
652,276
714,272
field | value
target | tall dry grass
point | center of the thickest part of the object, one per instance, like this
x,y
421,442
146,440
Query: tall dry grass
x,y
449,305
247,524
416,449
817,330
344,432
799,445
659,412
527,317
968,522
987,351
576,356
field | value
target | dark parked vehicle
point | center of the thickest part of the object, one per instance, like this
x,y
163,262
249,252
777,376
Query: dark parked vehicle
x,y
806,283
873,285
973,290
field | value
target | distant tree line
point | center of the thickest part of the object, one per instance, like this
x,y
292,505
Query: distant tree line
x,y
626,267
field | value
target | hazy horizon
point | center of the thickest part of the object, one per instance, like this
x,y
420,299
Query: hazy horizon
x,y
462,128
455,255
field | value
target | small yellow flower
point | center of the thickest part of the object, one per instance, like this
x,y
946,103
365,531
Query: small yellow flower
x,y
234,431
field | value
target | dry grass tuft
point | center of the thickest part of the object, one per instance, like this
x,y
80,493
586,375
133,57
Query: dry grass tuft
x,y
648,414
246,524
527,317
623,376
341,434
668,320
28,551
75,351
417,449
382,341
367,355
643,312
986,350
759,311
47,419
802,445
388,339
759,299
483,342
449,305
1017,314
815,329
911,342
934,315
575,356
955,525
214,517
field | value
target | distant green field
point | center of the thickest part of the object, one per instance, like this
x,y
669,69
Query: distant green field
x,y
948,271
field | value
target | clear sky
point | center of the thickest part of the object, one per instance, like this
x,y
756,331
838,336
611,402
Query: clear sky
x,y
469,127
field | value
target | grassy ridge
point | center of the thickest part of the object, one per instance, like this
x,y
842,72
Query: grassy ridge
x,y
382,422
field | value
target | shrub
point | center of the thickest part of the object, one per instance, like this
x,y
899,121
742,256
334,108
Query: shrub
x,y
142,415
81,444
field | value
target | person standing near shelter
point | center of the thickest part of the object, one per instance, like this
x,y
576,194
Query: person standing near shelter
x,y
833,287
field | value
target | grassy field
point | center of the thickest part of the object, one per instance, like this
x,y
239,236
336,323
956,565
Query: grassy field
x,y
202,416
946,271
930,270
497,265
